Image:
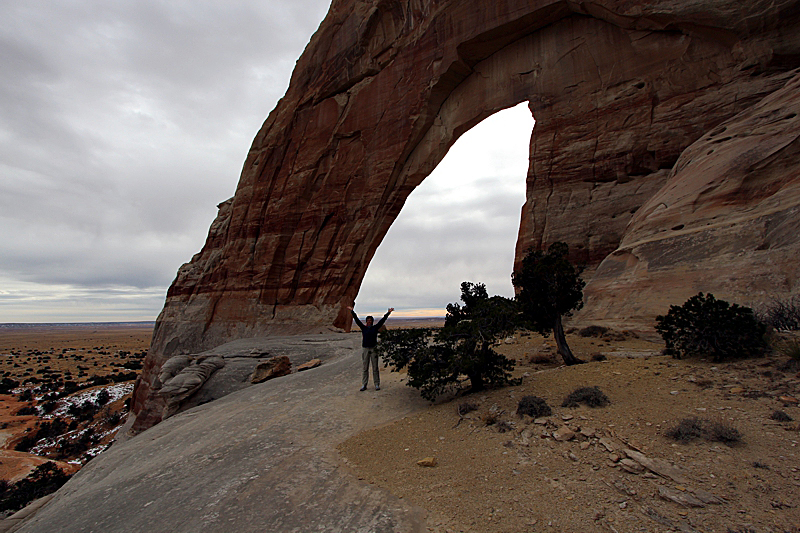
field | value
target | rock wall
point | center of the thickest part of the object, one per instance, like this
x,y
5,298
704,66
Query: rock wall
x,y
618,89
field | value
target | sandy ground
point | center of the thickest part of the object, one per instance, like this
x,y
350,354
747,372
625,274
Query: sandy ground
x,y
516,476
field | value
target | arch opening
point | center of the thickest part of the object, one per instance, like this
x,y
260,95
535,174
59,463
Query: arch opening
x,y
459,224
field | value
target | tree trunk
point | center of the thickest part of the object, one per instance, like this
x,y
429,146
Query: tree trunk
x,y
561,343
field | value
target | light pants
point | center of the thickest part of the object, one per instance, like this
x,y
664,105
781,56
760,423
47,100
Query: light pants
x,y
367,355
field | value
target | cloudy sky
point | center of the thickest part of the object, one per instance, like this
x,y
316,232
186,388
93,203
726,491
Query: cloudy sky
x,y
124,123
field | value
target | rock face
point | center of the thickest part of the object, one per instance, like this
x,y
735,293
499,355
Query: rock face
x,y
619,91
726,220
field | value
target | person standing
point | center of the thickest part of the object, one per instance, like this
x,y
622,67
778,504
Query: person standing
x,y
369,339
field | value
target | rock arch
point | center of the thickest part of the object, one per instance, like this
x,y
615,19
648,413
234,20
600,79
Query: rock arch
x,y
619,91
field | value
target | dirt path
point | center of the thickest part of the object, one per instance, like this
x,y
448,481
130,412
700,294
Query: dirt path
x,y
518,474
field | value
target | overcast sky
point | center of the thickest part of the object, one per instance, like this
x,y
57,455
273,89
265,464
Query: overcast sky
x,y
123,124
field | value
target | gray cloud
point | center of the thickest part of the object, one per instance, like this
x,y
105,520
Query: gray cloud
x,y
123,124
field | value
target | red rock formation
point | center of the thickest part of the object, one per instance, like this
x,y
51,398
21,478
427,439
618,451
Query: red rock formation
x,y
619,89
726,221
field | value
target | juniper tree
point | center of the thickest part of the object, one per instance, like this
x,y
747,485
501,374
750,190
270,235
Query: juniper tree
x,y
548,287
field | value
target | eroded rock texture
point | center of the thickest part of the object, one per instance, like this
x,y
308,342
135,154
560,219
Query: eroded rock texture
x,y
619,91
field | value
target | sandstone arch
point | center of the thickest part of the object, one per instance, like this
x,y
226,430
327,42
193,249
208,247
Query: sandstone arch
x,y
619,90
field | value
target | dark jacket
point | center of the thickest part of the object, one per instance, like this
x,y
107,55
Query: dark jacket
x,y
369,334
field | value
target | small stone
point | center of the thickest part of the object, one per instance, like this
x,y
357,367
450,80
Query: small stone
x,y
614,457
674,392
585,445
563,434
629,465
566,417
314,363
687,500
429,462
737,390
607,444
540,421
788,400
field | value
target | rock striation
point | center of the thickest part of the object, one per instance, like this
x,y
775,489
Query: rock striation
x,y
620,90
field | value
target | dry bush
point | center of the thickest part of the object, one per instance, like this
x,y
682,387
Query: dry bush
x,y
591,396
704,384
543,359
592,331
490,419
692,428
467,407
533,406
780,416
597,357
504,426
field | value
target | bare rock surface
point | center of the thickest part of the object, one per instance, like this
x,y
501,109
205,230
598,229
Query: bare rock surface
x,y
260,459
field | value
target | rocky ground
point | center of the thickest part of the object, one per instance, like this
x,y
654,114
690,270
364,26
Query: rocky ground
x,y
607,468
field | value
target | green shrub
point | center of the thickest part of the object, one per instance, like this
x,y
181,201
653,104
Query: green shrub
x,y
438,361
45,479
591,396
707,326
7,385
533,406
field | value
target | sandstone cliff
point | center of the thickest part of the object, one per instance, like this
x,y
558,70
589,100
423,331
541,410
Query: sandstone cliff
x,y
619,91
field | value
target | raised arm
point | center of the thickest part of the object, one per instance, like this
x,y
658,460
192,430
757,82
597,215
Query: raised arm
x,y
355,316
382,320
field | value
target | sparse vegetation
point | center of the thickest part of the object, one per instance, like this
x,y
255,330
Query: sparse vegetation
x,y
780,416
781,314
789,348
533,406
542,359
467,407
690,429
707,326
592,331
45,479
590,396
7,385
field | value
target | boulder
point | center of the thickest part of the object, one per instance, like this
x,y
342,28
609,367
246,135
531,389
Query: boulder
x,y
274,367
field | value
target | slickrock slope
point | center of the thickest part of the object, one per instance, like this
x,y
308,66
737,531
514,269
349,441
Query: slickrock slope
x,y
260,459
726,220
619,90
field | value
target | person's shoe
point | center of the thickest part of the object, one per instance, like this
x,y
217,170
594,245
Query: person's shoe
x,y
362,389
377,387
